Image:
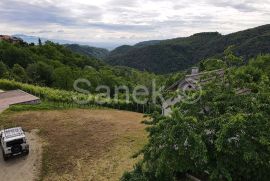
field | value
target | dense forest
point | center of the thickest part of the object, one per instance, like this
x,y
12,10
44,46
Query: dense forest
x,y
54,65
224,136
181,53
99,53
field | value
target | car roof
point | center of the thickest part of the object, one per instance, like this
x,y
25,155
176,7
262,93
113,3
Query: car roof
x,y
13,133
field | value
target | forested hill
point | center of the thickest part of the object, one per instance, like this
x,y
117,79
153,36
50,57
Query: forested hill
x,y
181,53
99,53
54,65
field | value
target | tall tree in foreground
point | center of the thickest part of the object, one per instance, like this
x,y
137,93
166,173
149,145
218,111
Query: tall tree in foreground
x,y
224,136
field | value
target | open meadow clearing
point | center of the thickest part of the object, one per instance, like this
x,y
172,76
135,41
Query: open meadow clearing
x,y
82,144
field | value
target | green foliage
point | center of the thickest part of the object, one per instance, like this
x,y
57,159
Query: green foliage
x,y
40,72
136,175
173,78
66,99
3,70
19,74
212,64
224,136
63,77
231,59
179,54
38,107
54,65
49,94
11,54
98,53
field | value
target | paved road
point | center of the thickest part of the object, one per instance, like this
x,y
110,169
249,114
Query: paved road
x,y
23,168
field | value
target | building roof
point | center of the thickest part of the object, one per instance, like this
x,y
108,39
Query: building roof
x,y
201,77
16,97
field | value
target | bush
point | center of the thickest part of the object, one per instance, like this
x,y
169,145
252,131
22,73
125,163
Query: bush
x,y
136,175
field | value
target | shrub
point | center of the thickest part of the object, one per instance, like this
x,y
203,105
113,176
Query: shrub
x,y
224,136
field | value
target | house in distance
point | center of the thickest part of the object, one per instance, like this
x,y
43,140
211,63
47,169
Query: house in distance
x,y
189,82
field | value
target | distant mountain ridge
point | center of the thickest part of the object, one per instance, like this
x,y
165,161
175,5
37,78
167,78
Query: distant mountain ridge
x,y
177,54
147,43
34,39
172,55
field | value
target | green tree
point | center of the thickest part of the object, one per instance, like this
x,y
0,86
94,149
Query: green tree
x,y
3,70
212,64
231,59
63,78
19,74
39,42
32,72
225,134
41,73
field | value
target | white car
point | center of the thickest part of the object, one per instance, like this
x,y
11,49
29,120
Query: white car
x,y
13,142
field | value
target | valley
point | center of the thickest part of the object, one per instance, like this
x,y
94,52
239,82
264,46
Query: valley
x,y
87,129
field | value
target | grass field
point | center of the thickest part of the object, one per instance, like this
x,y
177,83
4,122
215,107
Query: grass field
x,y
80,144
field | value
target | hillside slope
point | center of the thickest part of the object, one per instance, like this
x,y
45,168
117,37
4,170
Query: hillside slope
x,y
181,53
56,66
99,53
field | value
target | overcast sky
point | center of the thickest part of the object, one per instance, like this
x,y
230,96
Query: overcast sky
x,y
129,21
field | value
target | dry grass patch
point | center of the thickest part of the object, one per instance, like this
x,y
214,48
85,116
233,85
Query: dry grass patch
x,y
85,144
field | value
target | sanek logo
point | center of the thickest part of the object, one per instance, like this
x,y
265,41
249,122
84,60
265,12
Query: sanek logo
x,y
188,92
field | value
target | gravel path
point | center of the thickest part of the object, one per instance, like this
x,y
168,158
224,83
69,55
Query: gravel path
x,y
23,168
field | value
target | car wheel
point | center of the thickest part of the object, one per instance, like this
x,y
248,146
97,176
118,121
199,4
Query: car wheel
x,y
27,152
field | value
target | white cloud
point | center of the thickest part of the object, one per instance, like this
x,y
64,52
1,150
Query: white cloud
x,y
129,21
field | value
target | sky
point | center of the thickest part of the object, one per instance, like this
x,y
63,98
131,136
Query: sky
x,y
129,21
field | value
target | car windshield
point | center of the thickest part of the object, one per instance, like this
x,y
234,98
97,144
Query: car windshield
x,y
14,142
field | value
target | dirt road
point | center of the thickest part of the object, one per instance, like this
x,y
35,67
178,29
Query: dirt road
x,y
23,168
